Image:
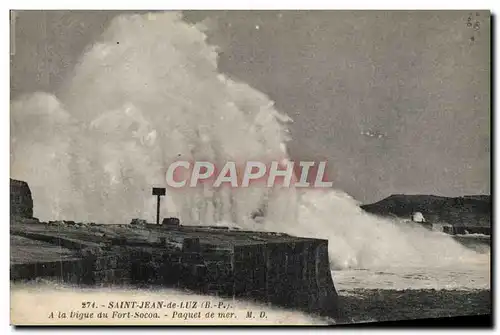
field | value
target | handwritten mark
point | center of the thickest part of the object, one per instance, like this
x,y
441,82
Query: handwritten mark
x,y
474,24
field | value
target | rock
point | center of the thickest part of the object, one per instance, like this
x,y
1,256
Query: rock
x,y
175,222
21,202
138,222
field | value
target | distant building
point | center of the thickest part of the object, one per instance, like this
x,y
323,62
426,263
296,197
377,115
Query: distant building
x,y
417,217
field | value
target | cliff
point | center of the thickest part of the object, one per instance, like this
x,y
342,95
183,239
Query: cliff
x,y
21,202
467,211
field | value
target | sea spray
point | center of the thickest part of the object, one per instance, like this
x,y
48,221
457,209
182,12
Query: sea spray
x,y
148,93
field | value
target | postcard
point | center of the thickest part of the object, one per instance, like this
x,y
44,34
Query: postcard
x,y
249,167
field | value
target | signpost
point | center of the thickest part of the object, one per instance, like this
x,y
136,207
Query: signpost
x,y
158,191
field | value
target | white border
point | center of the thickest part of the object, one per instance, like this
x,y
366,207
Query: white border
x,y
260,4
493,5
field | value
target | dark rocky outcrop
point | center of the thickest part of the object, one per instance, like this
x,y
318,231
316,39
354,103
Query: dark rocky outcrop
x,y
21,202
467,212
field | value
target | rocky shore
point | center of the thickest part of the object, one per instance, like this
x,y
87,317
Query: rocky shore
x,y
391,305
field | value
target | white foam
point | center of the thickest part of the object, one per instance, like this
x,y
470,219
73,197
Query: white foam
x,y
42,297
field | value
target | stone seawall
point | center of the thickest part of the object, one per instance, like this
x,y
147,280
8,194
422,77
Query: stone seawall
x,y
283,270
103,271
291,276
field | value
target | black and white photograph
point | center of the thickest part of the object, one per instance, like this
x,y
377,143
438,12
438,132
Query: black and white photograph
x,y
250,167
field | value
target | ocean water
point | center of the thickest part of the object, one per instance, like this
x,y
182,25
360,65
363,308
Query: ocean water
x,y
403,278
92,152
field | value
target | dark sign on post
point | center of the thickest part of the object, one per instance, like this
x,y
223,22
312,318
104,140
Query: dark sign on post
x,y
158,191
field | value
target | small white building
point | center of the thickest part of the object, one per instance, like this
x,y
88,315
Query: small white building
x,y
417,217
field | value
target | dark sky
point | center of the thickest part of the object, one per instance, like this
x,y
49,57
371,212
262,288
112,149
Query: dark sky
x,y
398,102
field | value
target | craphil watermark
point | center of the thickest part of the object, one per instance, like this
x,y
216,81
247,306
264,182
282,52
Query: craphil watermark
x,y
284,173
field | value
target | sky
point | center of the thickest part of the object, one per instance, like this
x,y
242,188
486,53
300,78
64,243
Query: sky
x,y
397,102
